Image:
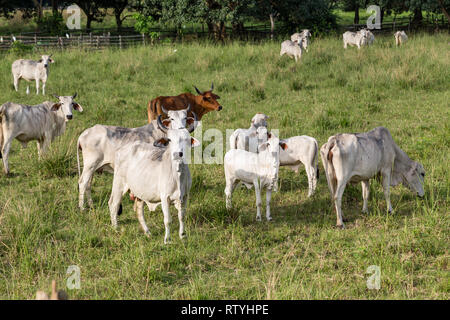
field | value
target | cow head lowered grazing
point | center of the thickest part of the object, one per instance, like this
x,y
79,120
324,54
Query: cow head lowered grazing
x,y
201,104
43,122
156,173
362,156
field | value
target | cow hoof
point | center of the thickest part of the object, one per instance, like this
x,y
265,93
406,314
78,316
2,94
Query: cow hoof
x,y
269,218
167,241
340,226
147,234
258,218
183,235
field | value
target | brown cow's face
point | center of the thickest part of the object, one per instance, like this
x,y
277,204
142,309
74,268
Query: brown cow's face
x,y
209,101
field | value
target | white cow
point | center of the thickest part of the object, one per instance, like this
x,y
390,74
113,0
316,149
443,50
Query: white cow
x,y
303,38
246,139
292,49
358,39
43,122
254,169
156,174
370,37
30,70
100,143
400,37
360,157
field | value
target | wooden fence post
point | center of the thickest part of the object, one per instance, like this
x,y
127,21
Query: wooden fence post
x,y
98,41
120,41
143,39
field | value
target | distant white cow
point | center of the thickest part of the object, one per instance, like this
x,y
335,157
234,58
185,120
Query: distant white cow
x,y
156,174
370,37
254,169
360,157
292,49
400,37
246,139
30,70
358,39
100,143
43,122
303,38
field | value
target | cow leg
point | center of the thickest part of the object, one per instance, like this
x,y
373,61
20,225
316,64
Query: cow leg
x,y
28,88
230,186
43,87
16,82
365,193
181,206
310,175
167,218
37,86
338,203
115,200
258,200
5,152
84,185
140,215
268,198
386,188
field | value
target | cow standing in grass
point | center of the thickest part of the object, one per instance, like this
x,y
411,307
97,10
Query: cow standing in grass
x,y
30,70
400,38
43,122
201,104
362,156
100,143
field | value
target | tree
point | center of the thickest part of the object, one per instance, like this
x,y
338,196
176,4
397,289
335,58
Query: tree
x,y
119,7
92,10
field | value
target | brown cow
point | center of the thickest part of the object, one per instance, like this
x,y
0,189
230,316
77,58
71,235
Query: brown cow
x,y
201,104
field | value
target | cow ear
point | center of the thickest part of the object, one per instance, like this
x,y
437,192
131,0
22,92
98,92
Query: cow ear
x,y
263,146
190,120
55,107
163,142
166,122
40,60
283,145
51,60
77,107
269,135
194,142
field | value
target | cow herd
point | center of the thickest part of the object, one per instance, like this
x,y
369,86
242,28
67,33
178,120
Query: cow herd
x,y
151,162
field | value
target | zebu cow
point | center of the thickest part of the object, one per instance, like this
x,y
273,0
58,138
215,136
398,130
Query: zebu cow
x,y
30,70
254,169
400,38
292,49
246,139
156,174
359,157
43,122
303,38
100,143
201,104
358,39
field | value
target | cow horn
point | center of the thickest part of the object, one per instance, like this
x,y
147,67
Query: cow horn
x,y
74,96
161,125
57,97
194,125
212,86
188,108
163,110
198,91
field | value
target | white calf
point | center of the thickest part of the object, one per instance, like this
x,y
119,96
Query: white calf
x,y
246,139
355,38
291,49
254,169
400,38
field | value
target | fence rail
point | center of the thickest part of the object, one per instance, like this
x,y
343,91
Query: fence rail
x,y
98,41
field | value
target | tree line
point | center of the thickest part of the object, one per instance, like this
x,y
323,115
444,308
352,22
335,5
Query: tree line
x,y
217,14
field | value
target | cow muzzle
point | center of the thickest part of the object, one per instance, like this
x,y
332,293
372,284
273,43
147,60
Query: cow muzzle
x,y
220,108
69,117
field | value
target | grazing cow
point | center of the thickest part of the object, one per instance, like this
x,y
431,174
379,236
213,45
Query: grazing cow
x,y
156,174
355,38
254,169
400,37
359,157
30,70
100,143
201,104
303,37
292,49
43,122
246,139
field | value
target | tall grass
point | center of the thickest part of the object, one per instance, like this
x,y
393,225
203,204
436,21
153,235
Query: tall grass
x,y
300,255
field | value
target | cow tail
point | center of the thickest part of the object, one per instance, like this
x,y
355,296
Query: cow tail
x,y
78,157
316,160
327,160
2,112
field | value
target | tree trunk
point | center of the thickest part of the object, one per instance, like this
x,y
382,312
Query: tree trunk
x,y
118,20
356,20
89,22
55,7
418,18
38,5
272,25
217,30
444,11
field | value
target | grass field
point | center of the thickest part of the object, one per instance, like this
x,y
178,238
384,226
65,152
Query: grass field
x,y
228,255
